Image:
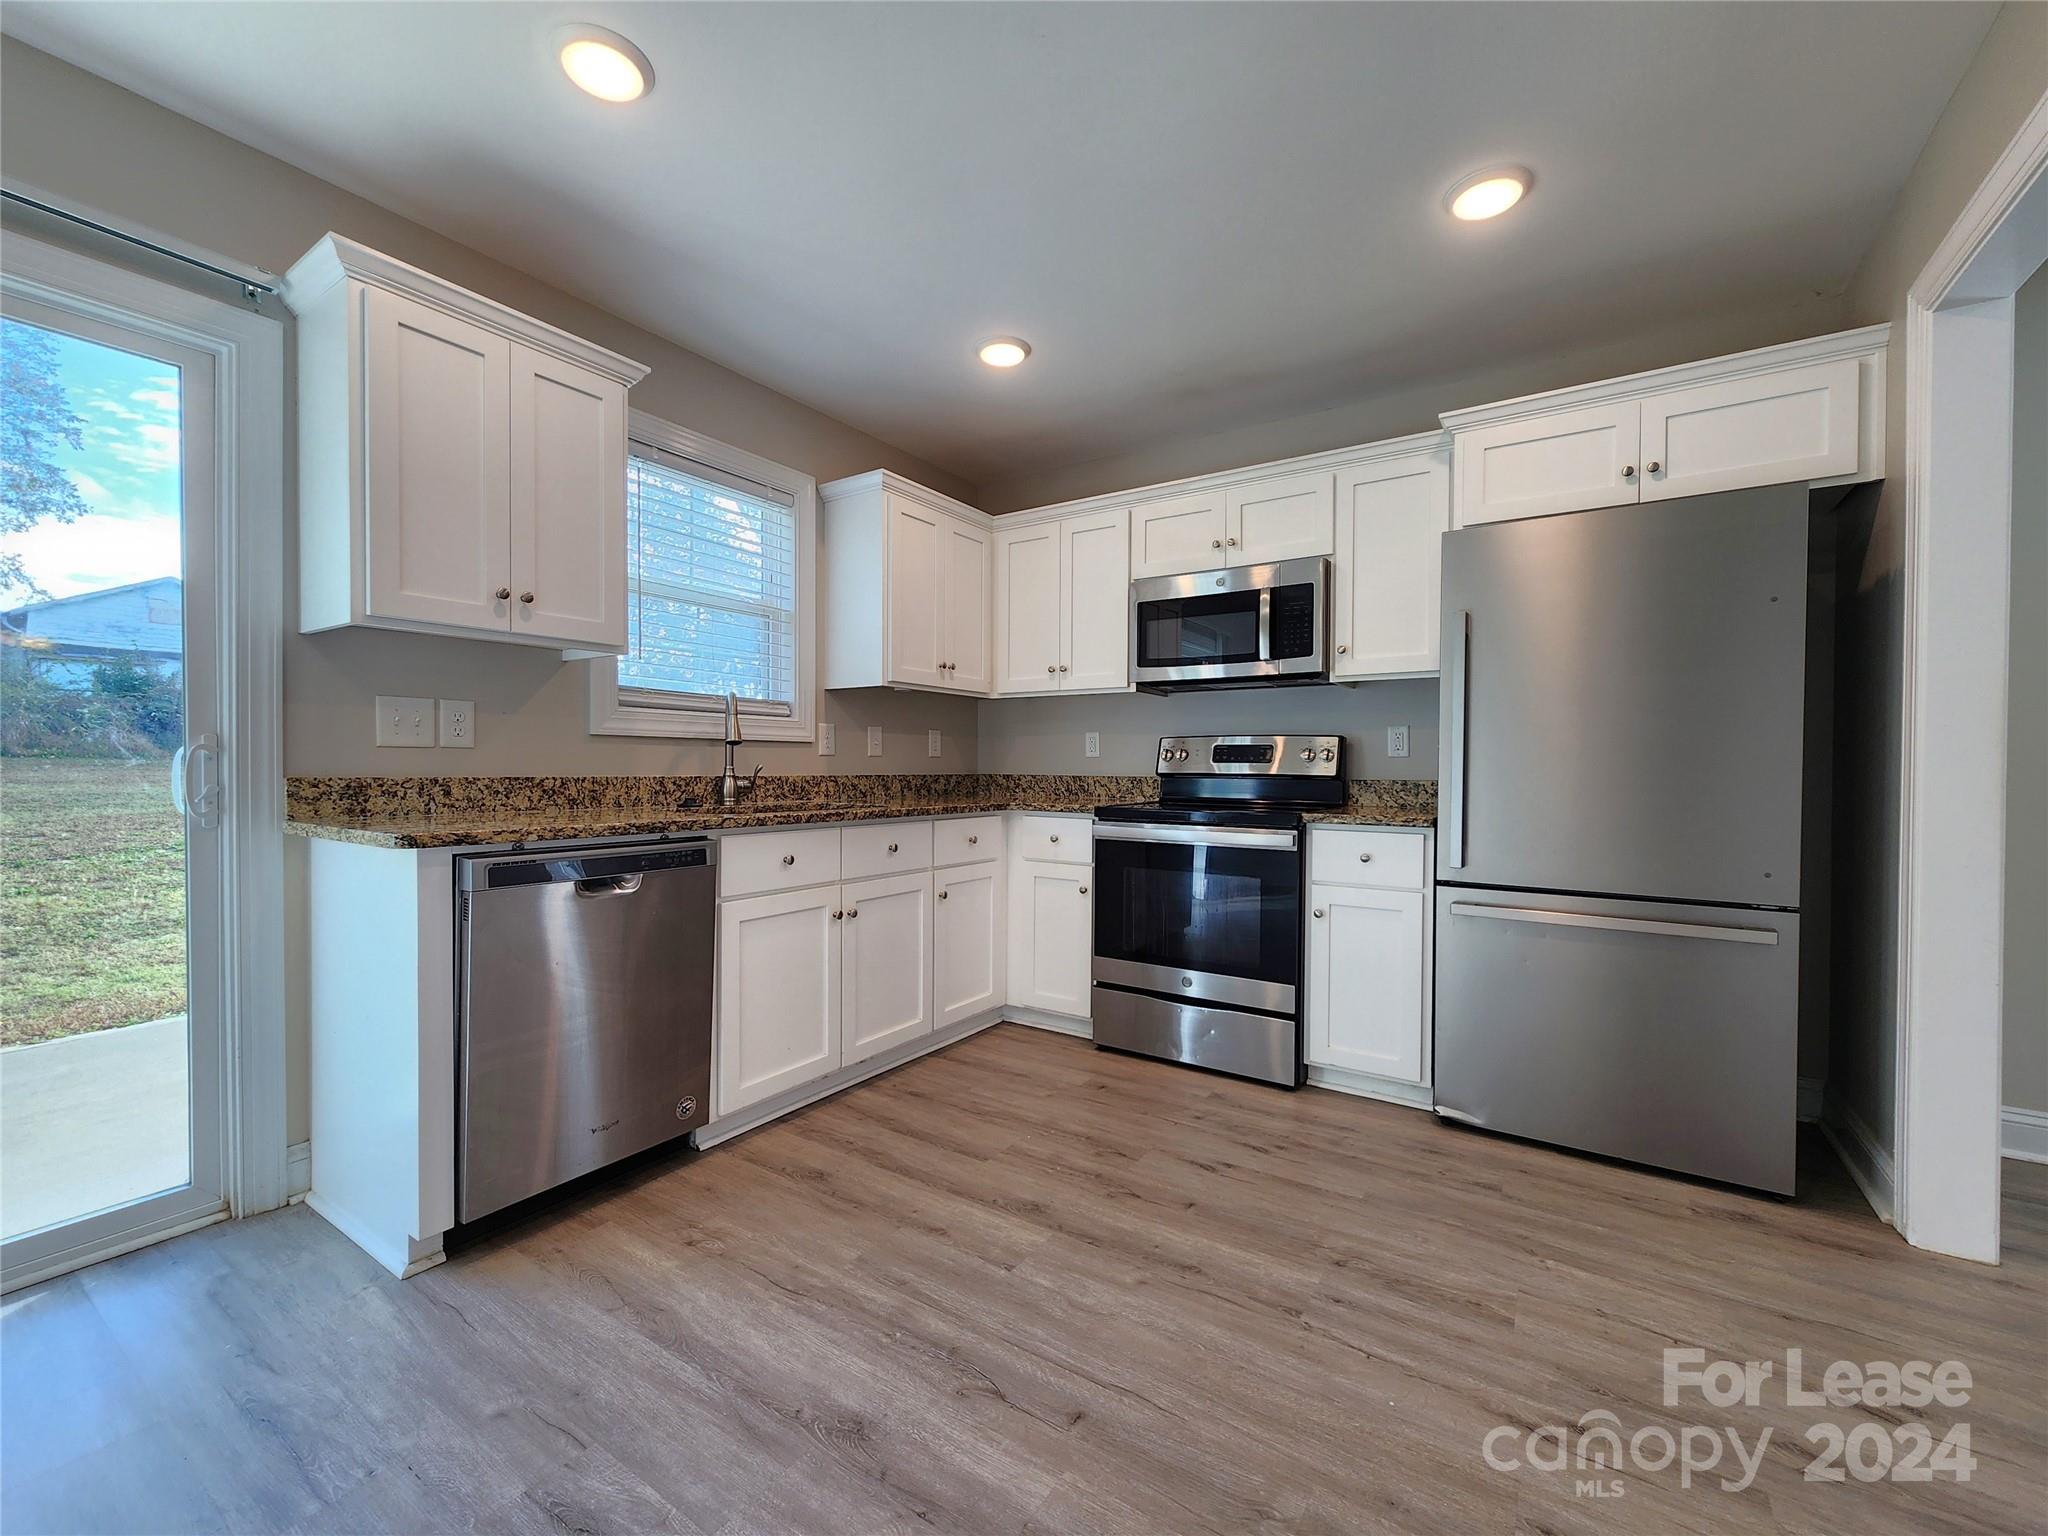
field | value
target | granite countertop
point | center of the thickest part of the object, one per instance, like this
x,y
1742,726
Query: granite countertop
x,y
459,812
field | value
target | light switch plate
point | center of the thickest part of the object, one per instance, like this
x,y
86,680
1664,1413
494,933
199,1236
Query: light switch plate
x,y
1092,743
828,738
458,723
1397,741
404,722
874,741
932,744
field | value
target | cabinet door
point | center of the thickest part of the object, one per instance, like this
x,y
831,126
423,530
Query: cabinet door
x,y
963,594
1051,937
1095,588
1028,609
969,941
1384,597
1280,519
1567,462
1365,972
1800,424
917,555
1178,534
778,994
887,937
568,486
437,509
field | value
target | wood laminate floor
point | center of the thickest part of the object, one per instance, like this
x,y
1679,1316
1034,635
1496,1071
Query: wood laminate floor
x,y
1021,1285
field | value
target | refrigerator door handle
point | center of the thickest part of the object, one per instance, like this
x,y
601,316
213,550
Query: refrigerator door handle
x,y
1655,926
1460,696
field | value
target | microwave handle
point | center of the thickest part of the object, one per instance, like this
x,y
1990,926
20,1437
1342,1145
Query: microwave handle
x,y
1265,623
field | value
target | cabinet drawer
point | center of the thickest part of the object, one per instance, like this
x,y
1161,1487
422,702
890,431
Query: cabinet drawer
x,y
1389,860
1055,839
752,862
969,840
884,848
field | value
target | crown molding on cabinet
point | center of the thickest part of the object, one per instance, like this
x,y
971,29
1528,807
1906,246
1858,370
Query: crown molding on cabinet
x,y
1736,365
335,257
889,480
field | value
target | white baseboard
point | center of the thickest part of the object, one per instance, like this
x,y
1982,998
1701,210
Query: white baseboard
x,y
1059,1023
1861,1153
740,1121
1812,1098
2023,1133
1365,1086
298,1171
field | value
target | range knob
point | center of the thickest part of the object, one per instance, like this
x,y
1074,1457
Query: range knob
x,y
1308,754
1180,754
1328,754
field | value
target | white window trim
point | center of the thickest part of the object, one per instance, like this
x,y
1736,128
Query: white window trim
x,y
610,716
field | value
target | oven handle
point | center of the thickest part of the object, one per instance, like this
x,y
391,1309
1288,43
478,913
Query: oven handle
x,y
1213,837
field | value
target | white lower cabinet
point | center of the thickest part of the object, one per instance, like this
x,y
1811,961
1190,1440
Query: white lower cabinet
x,y
886,956
779,993
1051,935
969,942
1366,965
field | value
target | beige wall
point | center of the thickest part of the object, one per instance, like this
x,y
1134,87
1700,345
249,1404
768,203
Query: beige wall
x,y
2026,775
2003,84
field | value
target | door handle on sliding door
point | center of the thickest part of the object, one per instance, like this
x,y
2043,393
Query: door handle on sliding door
x,y
1457,698
1655,926
195,781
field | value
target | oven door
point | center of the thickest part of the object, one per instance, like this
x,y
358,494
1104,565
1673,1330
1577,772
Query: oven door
x,y
1216,626
1199,914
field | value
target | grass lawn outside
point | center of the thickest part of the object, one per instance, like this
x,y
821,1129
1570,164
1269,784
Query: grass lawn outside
x,y
92,900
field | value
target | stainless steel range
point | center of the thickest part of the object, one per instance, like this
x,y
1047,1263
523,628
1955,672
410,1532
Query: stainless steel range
x,y
1198,897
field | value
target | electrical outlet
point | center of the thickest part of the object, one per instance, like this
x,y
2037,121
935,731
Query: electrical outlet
x,y
1092,743
874,741
828,738
933,746
1397,741
458,723
405,722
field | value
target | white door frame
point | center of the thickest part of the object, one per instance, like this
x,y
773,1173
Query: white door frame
x,y
1957,580
247,349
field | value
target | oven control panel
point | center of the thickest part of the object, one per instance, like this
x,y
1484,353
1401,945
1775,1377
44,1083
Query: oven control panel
x,y
1317,757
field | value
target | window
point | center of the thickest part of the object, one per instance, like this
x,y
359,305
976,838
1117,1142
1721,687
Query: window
x,y
718,571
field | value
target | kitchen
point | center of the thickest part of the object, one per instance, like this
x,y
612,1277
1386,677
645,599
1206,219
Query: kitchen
x,y
889,871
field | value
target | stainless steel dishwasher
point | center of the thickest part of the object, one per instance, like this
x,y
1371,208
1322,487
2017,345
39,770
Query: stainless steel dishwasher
x,y
584,1011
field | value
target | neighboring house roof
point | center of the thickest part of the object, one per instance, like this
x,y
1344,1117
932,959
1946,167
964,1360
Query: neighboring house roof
x,y
141,617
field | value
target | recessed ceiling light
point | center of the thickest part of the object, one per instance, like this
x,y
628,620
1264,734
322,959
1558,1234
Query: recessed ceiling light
x,y
1487,194
1004,351
604,63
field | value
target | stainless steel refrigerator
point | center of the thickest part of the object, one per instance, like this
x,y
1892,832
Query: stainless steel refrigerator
x,y
1625,705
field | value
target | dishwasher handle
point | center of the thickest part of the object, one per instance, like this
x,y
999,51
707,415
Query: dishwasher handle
x,y
605,870
596,886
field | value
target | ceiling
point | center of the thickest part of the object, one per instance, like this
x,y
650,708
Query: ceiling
x,y
1200,216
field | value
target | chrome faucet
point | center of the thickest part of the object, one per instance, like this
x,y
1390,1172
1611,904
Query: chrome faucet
x,y
730,784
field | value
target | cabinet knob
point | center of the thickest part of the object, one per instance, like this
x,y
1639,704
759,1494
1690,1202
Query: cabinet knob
x,y
892,847
526,597
1319,912
1343,650
1084,890
1628,471
504,593
1365,858
972,840
1052,669
942,895
852,913
1063,666
836,916
789,858
1055,837
1231,542
1215,543
1653,466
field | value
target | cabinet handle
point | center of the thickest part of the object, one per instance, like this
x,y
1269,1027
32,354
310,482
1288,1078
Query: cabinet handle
x,y
892,847
1215,543
504,594
789,858
1084,890
942,895
1653,466
1319,912
1628,471
1365,858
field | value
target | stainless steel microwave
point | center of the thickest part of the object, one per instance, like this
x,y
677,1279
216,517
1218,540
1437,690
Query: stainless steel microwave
x,y
1249,624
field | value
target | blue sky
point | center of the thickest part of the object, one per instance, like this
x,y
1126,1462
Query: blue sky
x,y
127,473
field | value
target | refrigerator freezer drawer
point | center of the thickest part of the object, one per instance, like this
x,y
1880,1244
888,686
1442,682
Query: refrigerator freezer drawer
x,y
1656,1033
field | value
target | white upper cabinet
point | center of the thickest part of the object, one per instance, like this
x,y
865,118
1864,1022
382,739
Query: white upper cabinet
x,y
1029,636
1095,602
462,468
1063,605
1177,534
908,588
1281,519
1808,410
1391,517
